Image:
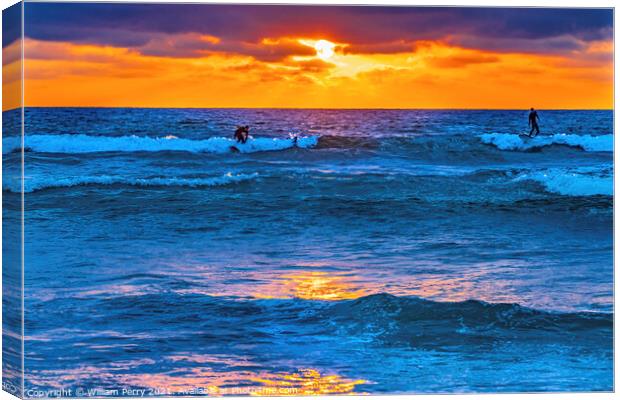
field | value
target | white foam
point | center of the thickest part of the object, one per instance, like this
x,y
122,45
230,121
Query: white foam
x,y
573,182
93,144
11,143
32,184
505,141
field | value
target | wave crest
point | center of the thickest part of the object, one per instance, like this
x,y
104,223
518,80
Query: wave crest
x,y
33,185
413,319
70,144
583,181
506,141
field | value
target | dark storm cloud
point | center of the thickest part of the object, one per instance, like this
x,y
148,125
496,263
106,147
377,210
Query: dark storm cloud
x,y
364,28
11,24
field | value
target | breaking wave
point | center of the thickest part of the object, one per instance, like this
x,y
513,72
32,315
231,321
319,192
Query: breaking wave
x,y
418,320
392,318
573,182
70,144
505,141
32,185
438,145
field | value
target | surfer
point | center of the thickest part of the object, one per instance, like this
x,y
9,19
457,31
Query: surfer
x,y
242,133
533,122
293,137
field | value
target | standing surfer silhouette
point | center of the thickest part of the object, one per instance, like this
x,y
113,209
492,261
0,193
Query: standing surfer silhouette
x,y
533,122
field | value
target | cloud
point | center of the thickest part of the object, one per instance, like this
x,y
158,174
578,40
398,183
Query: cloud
x,y
269,50
11,24
12,53
552,45
397,46
200,45
460,61
366,29
184,45
69,74
311,65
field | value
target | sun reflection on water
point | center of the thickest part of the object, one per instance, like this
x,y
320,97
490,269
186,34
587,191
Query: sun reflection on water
x,y
307,382
312,285
202,374
194,381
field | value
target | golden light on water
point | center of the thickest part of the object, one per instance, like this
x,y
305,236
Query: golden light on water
x,y
307,382
312,285
321,286
203,380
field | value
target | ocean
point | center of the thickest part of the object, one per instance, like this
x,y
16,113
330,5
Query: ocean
x,y
380,252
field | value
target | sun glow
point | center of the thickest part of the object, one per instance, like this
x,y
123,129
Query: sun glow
x,y
307,382
324,49
312,285
296,74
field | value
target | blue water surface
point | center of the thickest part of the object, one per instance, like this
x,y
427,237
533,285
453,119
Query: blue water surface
x,y
338,251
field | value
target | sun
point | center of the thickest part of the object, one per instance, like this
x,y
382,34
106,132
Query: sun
x,y
324,49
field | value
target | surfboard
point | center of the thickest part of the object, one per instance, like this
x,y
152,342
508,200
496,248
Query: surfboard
x,y
234,149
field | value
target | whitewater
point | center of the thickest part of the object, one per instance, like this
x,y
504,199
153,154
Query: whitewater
x,y
505,141
80,143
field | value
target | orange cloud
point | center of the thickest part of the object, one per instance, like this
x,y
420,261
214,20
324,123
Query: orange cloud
x,y
398,46
460,61
194,45
282,72
12,76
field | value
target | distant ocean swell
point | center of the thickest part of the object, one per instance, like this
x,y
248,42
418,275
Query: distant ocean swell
x,y
80,143
584,181
33,185
382,315
464,317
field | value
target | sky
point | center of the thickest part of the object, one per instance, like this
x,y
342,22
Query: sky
x,y
191,55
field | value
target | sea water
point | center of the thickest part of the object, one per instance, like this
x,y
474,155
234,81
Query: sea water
x,y
337,251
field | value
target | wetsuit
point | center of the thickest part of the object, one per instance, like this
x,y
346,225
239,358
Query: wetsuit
x,y
240,135
534,122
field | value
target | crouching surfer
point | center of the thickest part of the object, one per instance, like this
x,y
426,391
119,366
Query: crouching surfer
x,y
242,133
241,136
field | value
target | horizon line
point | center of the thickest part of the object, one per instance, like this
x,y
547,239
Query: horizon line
x,y
324,108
